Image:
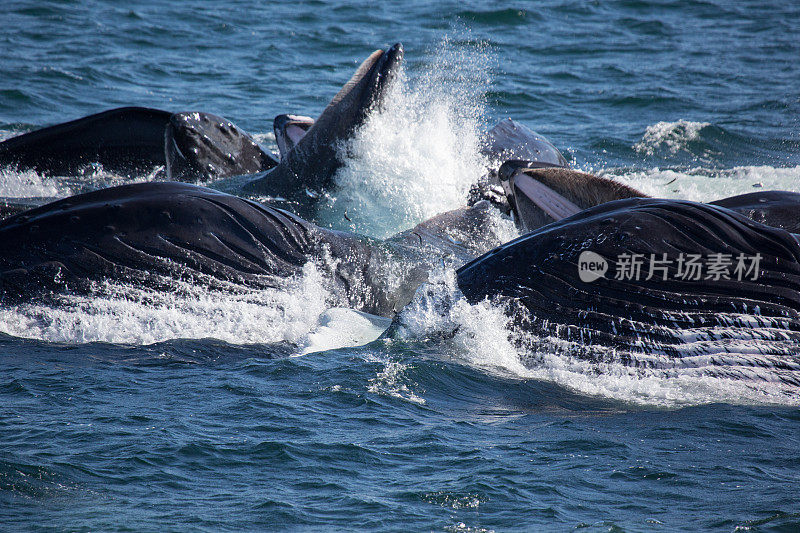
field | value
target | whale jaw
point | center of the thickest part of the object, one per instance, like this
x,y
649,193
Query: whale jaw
x,y
310,165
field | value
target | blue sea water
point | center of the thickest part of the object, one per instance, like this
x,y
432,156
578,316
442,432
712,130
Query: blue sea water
x,y
195,412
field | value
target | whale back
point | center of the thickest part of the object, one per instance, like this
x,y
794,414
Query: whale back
x,y
509,139
780,209
751,318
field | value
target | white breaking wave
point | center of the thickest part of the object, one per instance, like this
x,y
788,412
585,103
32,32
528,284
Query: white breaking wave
x,y
705,185
420,153
674,136
297,314
29,184
392,381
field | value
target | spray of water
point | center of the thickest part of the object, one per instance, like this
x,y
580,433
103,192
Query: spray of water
x,y
418,155
297,313
29,184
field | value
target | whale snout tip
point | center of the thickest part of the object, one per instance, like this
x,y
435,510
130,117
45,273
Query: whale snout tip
x,y
397,49
384,71
394,55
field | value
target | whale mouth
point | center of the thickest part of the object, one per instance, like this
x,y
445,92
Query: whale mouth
x,y
313,158
289,130
533,203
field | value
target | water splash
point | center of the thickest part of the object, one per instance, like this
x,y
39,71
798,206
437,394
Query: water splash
x,y
29,184
479,333
420,153
125,314
674,136
392,381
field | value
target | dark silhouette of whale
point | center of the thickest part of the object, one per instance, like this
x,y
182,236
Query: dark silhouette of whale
x,y
153,234
195,146
745,315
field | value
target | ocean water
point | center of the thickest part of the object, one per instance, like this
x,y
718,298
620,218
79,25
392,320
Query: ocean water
x,y
194,411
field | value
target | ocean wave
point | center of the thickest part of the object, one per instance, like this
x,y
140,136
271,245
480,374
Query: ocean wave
x,y
500,17
686,142
672,136
702,184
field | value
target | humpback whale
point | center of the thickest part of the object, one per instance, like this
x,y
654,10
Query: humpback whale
x,y
195,146
744,315
313,160
133,141
539,193
152,234
156,234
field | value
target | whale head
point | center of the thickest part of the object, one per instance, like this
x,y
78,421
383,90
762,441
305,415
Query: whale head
x,y
312,158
